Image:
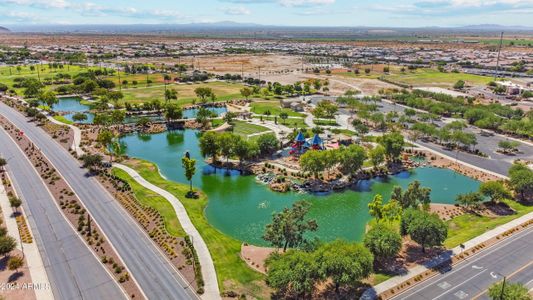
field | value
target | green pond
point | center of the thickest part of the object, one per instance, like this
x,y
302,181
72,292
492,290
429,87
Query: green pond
x,y
240,207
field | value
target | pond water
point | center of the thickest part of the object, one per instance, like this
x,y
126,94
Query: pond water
x,y
187,114
72,105
241,207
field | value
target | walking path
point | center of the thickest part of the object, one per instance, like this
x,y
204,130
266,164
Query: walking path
x,y
77,135
208,268
30,251
418,270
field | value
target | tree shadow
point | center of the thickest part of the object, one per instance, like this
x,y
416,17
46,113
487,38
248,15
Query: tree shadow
x,y
15,276
344,293
3,263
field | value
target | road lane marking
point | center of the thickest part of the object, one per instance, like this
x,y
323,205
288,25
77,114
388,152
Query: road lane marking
x,y
478,256
446,292
476,267
444,285
508,277
461,295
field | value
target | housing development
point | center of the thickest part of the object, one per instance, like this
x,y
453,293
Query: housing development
x,y
231,160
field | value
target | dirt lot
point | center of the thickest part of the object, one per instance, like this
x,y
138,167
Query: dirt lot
x,y
248,64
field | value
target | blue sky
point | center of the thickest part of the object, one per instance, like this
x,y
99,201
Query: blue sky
x,y
390,13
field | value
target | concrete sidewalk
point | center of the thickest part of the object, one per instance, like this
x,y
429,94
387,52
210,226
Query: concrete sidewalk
x,y
31,252
208,268
418,270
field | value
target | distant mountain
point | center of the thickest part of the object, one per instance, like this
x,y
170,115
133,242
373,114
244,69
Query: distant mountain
x,y
252,30
3,29
492,27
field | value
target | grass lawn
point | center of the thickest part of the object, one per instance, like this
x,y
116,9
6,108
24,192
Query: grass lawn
x,y
432,77
62,119
44,72
223,91
148,198
260,107
232,271
468,226
245,129
290,122
323,122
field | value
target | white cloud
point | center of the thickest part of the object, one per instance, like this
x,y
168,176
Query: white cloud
x,y
236,11
290,3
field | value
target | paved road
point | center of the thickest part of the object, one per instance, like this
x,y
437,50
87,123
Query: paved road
x,y
524,276
73,270
496,162
472,277
154,273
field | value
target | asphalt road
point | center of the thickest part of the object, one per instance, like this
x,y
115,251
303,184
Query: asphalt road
x,y
474,276
495,162
74,272
154,273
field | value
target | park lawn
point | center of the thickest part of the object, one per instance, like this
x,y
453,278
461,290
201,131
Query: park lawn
x,y
290,122
324,122
151,199
62,119
245,129
260,107
156,79
232,271
223,90
468,226
432,77
44,72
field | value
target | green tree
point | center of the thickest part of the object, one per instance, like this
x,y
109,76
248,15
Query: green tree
x,y
521,180
203,93
377,155
91,161
209,145
49,98
351,159
375,207
325,109
459,85
79,117
15,263
313,161
32,87
426,229
246,92
289,226
173,112
383,242
292,274
189,165
344,263
495,190
511,291
15,202
469,200
393,144
283,115
171,94
7,244
268,144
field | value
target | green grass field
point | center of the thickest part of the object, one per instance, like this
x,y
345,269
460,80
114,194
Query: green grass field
x,y
7,77
468,226
224,91
62,119
245,128
432,77
290,122
232,271
260,107
151,199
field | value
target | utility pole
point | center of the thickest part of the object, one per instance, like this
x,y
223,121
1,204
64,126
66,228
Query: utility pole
x,y
259,76
498,59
